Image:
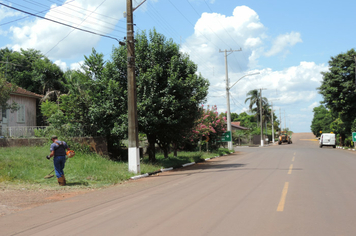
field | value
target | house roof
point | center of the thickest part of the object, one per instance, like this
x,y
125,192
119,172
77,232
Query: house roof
x,y
237,125
23,92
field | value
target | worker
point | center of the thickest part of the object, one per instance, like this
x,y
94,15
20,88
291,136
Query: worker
x,y
58,152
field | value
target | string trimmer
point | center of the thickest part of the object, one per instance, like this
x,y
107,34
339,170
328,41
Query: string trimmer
x,y
50,175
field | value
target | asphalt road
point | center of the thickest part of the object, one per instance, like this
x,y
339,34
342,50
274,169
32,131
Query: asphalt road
x,y
296,189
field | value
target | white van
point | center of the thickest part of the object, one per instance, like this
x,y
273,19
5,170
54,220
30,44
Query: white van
x,y
327,140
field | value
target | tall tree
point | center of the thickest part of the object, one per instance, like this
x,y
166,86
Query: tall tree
x,y
5,90
254,103
169,90
322,120
30,70
338,88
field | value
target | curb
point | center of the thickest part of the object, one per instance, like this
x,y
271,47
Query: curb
x,y
172,168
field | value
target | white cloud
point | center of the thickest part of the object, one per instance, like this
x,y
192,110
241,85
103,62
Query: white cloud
x,y
214,31
63,42
61,65
284,41
311,106
5,12
76,65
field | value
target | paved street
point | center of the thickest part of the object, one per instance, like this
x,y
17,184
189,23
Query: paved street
x,y
296,189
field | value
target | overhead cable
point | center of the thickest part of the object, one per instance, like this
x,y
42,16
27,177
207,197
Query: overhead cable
x,y
88,31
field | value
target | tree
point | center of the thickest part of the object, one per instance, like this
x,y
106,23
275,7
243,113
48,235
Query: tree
x,y
338,88
254,99
5,90
209,124
322,120
169,90
234,117
31,70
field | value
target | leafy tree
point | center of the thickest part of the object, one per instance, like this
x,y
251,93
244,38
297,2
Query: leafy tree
x,y
321,120
254,100
338,88
247,120
5,90
210,124
169,90
234,117
31,70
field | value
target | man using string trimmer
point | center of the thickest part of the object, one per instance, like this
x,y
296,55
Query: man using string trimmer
x,y
58,152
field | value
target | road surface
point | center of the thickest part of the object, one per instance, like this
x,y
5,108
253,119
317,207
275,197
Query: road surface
x,y
296,189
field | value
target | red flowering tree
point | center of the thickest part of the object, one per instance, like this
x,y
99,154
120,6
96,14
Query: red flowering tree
x,y
208,128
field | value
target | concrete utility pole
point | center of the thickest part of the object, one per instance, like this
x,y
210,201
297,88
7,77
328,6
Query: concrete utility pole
x,y
228,118
261,116
280,120
134,153
272,122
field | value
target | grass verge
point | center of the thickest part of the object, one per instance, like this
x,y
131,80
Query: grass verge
x,y
27,166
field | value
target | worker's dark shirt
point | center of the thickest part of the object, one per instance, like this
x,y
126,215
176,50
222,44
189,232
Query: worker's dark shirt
x,y
59,148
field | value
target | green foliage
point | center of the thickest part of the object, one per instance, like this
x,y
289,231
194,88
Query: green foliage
x,y
338,90
237,135
210,124
169,90
28,166
234,116
5,90
321,121
31,70
49,108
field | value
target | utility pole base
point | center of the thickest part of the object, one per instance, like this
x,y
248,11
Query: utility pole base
x,y
229,146
134,160
261,142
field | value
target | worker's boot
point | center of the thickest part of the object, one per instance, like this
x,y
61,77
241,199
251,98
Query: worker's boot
x,y
64,180
61,181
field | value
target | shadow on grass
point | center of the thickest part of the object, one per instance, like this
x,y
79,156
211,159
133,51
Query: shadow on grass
x,y
81,183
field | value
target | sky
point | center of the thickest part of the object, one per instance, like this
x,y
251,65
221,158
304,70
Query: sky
x,y
289,43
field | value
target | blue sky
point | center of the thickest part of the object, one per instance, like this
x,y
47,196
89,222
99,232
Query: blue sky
x,y
288,42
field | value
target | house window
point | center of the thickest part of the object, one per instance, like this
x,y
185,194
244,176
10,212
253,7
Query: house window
x,y
21,114
3,115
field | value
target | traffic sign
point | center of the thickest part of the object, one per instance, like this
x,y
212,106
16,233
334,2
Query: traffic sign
x,y
353,136
226,137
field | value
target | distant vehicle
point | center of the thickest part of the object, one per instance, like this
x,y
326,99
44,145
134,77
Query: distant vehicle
x,y
284,138
327,140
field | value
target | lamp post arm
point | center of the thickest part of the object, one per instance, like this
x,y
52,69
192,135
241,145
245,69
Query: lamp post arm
x,y
243,77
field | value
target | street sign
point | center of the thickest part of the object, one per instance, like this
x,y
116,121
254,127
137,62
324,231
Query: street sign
x,y
353,136
226,137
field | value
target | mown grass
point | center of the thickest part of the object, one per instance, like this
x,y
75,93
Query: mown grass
x,y
27,166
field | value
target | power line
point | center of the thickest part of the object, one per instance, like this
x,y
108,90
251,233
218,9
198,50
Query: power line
x,y
31,16
73,29
88,31
83,15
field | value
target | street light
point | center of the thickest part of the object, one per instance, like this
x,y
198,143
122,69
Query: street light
x,y
228,121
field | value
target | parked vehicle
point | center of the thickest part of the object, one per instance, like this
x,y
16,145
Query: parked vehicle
x,y
327,139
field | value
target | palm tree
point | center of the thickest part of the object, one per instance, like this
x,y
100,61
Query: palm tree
x,y
254,98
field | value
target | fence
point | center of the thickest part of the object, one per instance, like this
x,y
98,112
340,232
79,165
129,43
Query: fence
x,y
20,131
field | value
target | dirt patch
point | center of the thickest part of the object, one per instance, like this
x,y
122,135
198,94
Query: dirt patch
x,y
14,200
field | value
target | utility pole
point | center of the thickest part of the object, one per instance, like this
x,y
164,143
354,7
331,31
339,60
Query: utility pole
x,y
134,153
285,125
272,123
261,116
280,120
229,144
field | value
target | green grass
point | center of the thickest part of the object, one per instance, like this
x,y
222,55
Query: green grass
x,y
27,166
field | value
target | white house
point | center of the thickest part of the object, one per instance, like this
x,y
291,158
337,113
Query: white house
x,y
24,117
